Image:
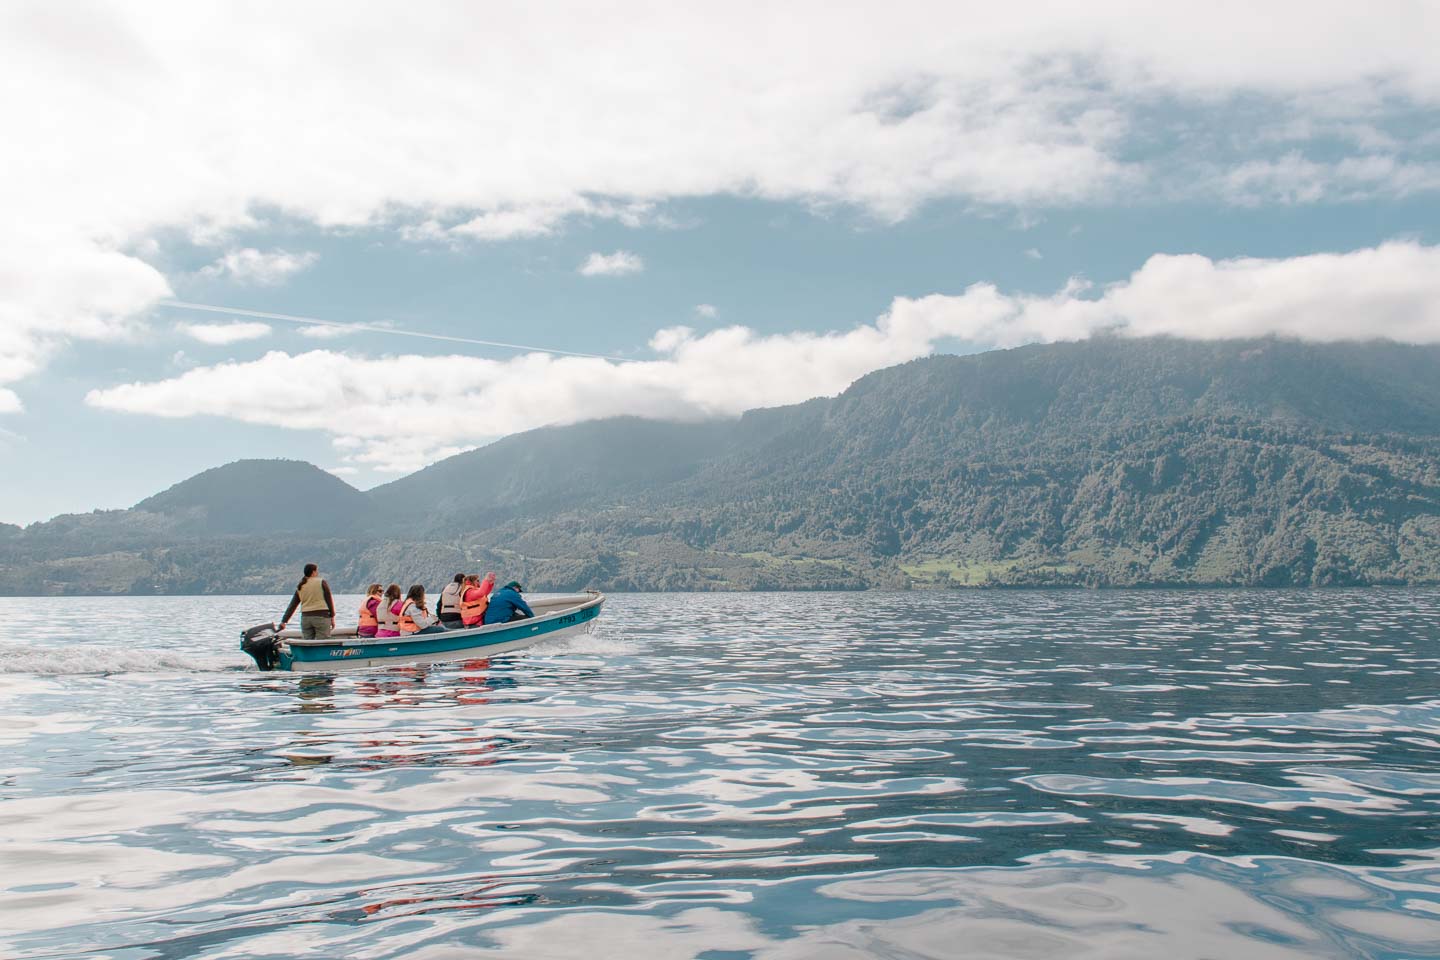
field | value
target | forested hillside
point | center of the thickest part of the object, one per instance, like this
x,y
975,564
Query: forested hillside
x,y
1108,462
261,496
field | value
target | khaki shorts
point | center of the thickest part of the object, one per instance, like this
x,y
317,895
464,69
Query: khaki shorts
x,y
315,626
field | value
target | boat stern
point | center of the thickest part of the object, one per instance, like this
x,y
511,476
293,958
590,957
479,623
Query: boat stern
x,y
262,642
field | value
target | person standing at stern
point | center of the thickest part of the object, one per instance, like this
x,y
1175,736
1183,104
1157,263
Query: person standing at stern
x,y
317,607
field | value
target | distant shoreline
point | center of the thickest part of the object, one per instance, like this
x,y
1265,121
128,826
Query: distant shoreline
x,y
1104,464
994,588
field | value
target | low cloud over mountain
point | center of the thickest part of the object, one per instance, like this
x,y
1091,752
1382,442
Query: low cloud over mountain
x,y
1110,461
395,412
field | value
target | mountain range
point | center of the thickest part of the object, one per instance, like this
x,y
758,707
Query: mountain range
x,y
1106,462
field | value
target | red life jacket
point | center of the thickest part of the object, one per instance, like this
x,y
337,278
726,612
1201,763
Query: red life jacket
x,y
472,606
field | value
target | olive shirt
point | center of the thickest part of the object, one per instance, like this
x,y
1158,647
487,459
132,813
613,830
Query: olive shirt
x,y
328,609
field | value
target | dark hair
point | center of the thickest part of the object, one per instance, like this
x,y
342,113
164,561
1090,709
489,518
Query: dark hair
x,y
417,593
459,578
392,592
309,571
373,589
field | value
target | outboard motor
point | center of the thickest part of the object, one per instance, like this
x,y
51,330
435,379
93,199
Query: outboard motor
x,y
262,642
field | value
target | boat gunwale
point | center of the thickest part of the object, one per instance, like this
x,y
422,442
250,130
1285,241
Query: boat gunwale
x,y
593,600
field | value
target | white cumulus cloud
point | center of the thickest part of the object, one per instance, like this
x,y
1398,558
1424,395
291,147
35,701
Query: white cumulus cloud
x,y
220,334
129,119
616,264
1297,179
248,265
68,290
398,412
532,221
317,332
1391,291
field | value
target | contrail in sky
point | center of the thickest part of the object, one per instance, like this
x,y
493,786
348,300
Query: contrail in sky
x,y
372,328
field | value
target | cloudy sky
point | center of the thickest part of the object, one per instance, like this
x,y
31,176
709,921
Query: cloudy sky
x,y
700,210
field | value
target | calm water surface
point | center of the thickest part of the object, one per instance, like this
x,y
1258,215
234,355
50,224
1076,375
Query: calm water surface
x,y
1175,775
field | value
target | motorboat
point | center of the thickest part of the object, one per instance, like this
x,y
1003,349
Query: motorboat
x,y
274,649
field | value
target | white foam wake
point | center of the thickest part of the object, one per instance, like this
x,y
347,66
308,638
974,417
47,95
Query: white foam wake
x,y
601,642
93,658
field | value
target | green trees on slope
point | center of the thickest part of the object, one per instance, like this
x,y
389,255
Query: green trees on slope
x,y
1104,463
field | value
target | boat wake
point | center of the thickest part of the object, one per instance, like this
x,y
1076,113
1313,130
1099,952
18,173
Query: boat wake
x,y
101,659
601,642
80,659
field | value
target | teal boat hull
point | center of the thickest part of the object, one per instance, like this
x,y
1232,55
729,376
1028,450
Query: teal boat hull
x,y
349,653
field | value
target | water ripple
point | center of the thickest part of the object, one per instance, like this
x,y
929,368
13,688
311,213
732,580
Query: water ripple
x,y
1237,774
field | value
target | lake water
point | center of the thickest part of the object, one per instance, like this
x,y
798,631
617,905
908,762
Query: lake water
x,y
1028,774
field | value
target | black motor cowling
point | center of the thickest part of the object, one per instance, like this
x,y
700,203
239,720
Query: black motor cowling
x,y
262,642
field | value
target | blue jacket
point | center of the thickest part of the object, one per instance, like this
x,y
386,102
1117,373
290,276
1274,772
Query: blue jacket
x,y
503,604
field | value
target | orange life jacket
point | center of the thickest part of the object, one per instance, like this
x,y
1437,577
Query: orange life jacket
x,y
472,606
407,622
367,616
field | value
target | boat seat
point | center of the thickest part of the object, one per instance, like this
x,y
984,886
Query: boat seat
x,y
293,633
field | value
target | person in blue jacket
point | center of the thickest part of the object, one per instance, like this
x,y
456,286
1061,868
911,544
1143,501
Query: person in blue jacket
x,y
506,604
